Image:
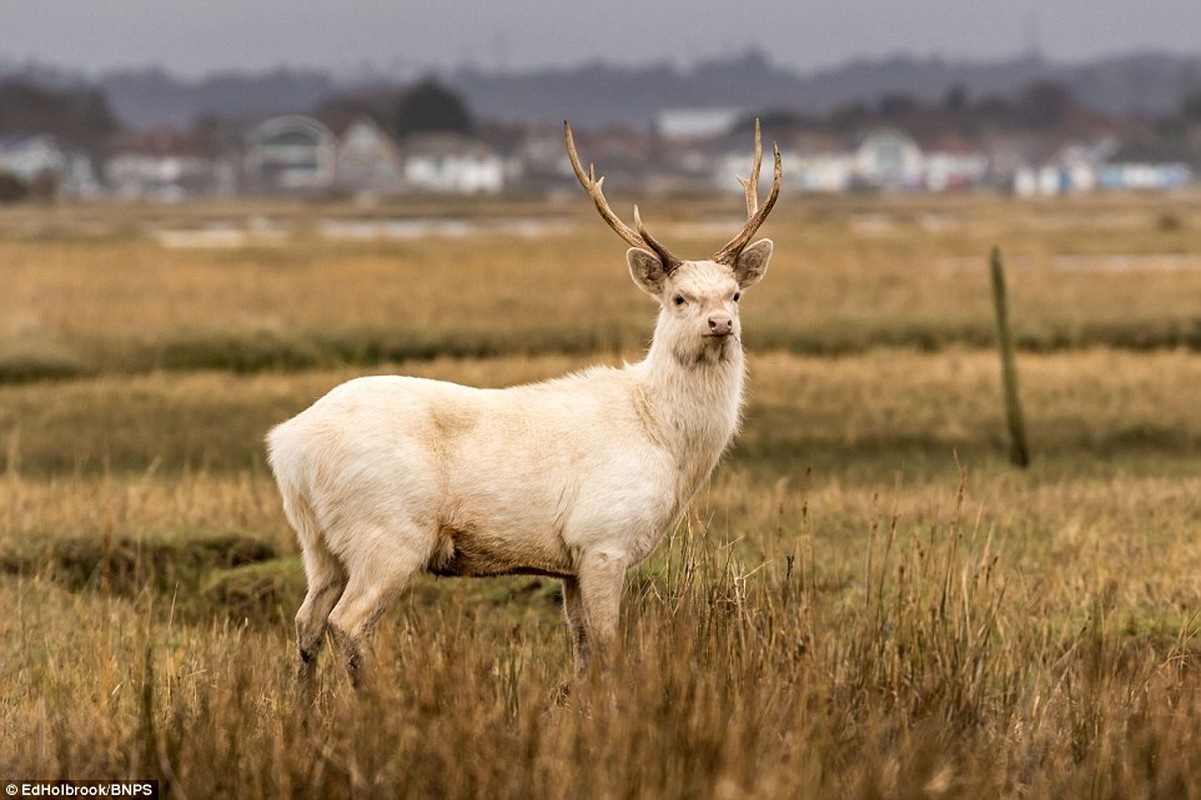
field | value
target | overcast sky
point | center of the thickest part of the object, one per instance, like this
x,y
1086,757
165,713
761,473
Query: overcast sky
x,y
190,37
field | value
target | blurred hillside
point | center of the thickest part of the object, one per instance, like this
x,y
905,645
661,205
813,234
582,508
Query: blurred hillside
x,y
604,94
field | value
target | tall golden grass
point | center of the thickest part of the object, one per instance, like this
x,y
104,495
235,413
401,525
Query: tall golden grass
x,y
867,602
927,657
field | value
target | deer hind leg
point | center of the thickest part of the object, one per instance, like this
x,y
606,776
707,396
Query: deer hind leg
x,y
374,582
573,610
326,581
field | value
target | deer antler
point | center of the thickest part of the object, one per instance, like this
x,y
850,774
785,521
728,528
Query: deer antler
x,y
755,214
592,185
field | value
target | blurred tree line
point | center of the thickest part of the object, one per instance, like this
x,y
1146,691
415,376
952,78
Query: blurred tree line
x,y
79,114
1040,107
427,106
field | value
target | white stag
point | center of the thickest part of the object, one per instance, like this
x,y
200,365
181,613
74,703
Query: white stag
x,y
576,478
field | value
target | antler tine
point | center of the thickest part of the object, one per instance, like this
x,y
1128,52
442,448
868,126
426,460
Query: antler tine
x,y
751,185
593,185
755,214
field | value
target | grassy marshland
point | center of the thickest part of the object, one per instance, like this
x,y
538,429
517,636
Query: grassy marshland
x,y
866,603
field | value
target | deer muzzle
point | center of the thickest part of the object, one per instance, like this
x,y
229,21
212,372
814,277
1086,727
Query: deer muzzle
x,y
721,325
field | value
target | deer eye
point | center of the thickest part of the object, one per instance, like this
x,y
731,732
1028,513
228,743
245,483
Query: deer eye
x,y
678,299
736,296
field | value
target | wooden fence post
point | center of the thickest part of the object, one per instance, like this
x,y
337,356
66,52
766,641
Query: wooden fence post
x,y
1019,453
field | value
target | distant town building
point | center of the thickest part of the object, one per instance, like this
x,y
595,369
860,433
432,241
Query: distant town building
x,y
45,157
167,165
1071,167
818,163
695,123
950,163
1141,166
888,159
451,163
368,160
292,153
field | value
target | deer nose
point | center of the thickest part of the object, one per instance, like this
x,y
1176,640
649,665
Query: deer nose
x,y
721,324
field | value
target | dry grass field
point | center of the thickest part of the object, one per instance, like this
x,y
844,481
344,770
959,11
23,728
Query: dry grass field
x,y
868,602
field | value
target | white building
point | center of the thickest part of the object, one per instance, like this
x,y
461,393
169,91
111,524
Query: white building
x,y
951,163
695,123
369,161
450,163
292,153
167,165
889,159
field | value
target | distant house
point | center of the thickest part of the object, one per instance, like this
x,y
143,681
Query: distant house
x,y
166,165
883,159
813,162
450,163
45,157
1142,165
368,160
823,171
888,159
950,163
291,153
1138,175
1009,157
1071,167
695,123
536,160
819,163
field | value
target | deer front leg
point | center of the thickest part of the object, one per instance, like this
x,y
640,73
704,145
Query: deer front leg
x,y
592,601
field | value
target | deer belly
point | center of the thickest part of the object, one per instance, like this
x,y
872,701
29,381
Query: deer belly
x,y
466,551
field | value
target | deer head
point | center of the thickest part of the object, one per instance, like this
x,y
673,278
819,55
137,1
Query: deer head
x,y
699,299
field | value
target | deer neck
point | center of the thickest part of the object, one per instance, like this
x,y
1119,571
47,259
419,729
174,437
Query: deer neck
x,y
690,401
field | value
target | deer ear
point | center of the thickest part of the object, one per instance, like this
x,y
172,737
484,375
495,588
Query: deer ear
x,y
647,270
752,263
